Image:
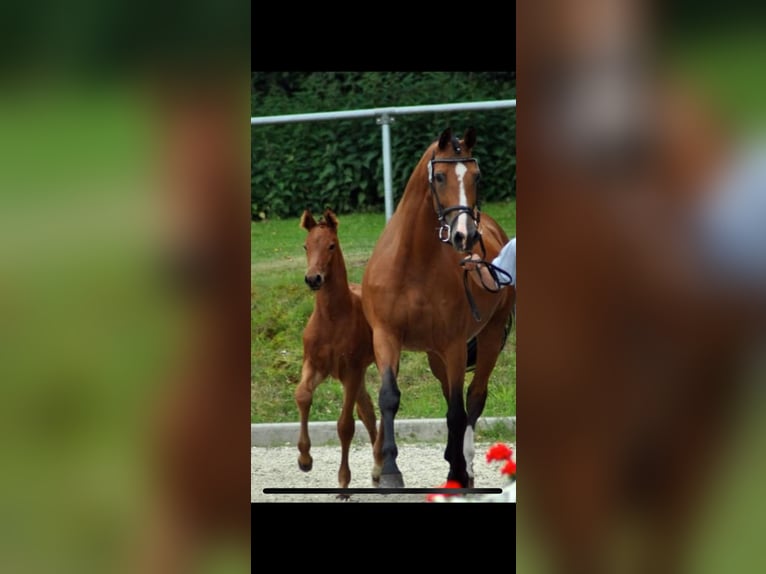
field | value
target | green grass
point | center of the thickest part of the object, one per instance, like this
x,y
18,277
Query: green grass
x,y
281,305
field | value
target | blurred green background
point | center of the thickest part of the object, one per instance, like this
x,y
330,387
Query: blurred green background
x,y
89,330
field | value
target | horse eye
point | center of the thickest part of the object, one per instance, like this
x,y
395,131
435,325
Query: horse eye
x,y
477,177
332,246
305,248
439,177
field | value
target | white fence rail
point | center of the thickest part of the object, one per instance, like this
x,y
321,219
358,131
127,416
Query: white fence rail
x,y
384,117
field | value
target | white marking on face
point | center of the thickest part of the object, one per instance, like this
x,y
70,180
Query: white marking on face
x,y
468,450
462,218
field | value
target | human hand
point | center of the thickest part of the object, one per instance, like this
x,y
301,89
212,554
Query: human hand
x,y
469,262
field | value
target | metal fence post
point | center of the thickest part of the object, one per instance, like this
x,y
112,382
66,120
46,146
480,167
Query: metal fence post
x,y
384,121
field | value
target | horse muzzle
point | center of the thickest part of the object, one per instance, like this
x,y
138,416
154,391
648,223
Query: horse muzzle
x,y
464,237
314,281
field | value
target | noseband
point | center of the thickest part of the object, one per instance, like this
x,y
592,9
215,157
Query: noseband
x,y
445,229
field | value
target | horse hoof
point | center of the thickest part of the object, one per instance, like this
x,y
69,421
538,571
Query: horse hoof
x,y
394,480
306,466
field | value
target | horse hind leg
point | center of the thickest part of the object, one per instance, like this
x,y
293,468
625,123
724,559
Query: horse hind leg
x,y
489,345
304,393
366,413
439,371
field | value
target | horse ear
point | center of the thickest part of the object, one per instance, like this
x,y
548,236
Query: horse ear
x,y
445,138
331,219
307,220
469,138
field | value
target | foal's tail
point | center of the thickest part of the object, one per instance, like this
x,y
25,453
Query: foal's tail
x,y
470,364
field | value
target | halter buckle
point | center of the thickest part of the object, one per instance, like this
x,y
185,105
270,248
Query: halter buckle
x,y
444,228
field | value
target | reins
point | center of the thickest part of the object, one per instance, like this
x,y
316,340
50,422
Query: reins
x,y
494,270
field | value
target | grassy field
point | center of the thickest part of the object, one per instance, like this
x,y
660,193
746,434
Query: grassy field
x,y
281,305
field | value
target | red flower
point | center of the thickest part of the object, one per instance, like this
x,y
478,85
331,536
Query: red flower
x,y
499,451
449,484
509,468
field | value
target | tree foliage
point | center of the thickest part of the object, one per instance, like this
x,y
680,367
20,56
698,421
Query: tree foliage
x,y
339,164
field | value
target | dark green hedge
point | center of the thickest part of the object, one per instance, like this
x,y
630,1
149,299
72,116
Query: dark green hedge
x,y
339,164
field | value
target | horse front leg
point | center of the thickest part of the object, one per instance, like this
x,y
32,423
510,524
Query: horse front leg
x,y
456,415
387,353
304,393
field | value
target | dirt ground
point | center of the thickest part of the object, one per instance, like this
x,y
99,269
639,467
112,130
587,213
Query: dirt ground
x,y
422,466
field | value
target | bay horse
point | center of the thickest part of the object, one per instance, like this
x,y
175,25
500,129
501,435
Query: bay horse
x,y
415,298
337,342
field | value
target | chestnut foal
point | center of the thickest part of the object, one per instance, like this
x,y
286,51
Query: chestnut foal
x,y
337,342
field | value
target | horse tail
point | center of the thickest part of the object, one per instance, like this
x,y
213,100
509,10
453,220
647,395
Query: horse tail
x,y
470,364
472,345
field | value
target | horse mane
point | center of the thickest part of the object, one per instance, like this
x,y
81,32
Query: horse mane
x,y
322,222
456,147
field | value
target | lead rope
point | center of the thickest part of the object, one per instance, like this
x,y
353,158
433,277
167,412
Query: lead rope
x,y
494,270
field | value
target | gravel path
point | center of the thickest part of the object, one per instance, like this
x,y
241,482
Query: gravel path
x,y
422,466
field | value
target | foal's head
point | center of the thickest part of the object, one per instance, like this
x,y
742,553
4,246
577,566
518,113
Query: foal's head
x,y
321,246
453,177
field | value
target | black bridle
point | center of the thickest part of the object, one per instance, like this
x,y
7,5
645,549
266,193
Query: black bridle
x,y
445,228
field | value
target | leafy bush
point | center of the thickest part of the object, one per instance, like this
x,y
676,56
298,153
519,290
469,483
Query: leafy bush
x,y
339,164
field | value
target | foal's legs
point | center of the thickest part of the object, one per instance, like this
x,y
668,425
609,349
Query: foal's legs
x,y
346,426
310,380
366,413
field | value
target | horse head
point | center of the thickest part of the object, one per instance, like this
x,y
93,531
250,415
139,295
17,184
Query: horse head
x,y
453,177
321,246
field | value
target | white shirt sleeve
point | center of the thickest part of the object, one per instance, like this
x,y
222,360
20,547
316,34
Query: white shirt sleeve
x,y
506,260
